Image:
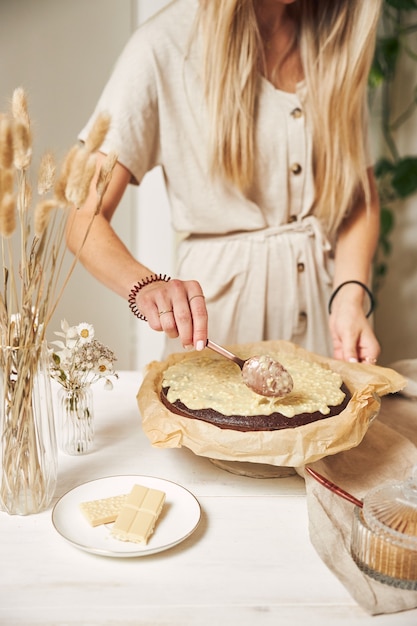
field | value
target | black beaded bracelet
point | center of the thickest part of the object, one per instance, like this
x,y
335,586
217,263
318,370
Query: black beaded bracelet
x,y
356,282
154,278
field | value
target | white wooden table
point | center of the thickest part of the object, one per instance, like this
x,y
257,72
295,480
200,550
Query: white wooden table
x,y
249,562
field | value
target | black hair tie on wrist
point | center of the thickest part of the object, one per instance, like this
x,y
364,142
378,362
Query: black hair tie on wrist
x,y
135,290
356,282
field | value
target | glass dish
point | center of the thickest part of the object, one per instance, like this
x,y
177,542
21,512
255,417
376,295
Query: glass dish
x,y
384,533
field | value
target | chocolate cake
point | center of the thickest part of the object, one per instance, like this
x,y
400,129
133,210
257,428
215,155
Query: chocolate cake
x,y
211,389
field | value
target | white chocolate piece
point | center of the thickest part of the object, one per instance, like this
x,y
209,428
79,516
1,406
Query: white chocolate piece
x,y
137,518
103,511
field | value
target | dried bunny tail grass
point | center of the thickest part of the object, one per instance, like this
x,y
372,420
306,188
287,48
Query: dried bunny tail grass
x,y
61,184
89,172
42,216
7,215
98,132
77,170
22,144
46,176
20,107
6,181
22,136
31,279
81,173
24,201
6,143
104,176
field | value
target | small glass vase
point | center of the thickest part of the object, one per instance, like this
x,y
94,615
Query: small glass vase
x,y
28,449
76,420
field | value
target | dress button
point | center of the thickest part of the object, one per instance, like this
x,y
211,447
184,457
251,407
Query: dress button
x,y
300,267
297,112
292,218
296,168
302,316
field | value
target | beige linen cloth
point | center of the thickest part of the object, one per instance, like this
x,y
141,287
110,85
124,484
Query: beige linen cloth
x,y
387,452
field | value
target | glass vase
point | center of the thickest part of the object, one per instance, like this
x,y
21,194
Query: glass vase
x,y
76,424
28,446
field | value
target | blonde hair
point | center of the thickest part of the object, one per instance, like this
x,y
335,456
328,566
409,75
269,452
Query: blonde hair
x,y
336,40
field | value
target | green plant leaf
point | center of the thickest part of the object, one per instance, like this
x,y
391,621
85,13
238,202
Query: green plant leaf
x,y
387,222
376,76
386,55
404,179
383,166
383,269
406,5
385,246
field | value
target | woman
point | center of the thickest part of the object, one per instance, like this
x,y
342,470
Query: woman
x,y
256,110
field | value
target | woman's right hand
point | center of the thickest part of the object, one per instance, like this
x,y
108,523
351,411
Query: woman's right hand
x,y
176,308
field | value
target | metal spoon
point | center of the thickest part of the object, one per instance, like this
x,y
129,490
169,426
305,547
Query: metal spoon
x,y
260,373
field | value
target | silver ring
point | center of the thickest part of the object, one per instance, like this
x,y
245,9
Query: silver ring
x,y
198,295
163,312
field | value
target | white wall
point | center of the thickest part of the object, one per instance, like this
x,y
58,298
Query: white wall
x,y
61,52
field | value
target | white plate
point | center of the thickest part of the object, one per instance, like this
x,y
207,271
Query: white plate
x,y
179,518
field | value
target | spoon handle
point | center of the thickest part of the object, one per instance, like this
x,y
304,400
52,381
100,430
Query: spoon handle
x,y
225,353
335,488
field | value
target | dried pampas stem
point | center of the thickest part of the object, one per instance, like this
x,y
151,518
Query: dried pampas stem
x,y
75,175
46,176
82,171
6,144
20,106
42,215
62,181
6,181
98,132
7,215
104,176
89,171
22,145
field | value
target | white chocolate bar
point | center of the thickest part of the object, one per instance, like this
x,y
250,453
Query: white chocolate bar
x,y
103,511
137,518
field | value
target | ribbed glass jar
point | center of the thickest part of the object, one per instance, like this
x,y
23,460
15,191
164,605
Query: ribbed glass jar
x,y
384,533
28,449
76,420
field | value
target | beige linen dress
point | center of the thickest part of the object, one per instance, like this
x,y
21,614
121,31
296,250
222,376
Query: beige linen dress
x,y
262,260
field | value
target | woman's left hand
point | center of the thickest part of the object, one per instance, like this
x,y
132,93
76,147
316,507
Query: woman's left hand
x,y
352,335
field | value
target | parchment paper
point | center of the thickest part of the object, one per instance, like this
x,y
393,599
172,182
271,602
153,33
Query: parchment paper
x,y
289,447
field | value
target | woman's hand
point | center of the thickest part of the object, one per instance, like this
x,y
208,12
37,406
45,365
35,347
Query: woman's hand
x,y
177,308
352,334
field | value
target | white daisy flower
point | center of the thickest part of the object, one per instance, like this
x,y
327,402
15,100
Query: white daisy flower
x,y
103,367
85,332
